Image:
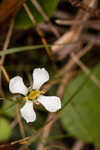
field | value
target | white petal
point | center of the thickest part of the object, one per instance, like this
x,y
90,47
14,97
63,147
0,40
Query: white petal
x,y
40,76
16,85
51,103
28,112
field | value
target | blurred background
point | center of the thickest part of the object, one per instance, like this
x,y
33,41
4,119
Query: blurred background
x,y
63,37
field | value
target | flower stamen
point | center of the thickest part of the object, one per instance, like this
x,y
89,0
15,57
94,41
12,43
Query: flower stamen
x,y
33,94
43,91
26,98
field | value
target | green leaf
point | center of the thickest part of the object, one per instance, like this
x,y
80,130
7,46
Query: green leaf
x,y
22,21
8,108
81,117
5,129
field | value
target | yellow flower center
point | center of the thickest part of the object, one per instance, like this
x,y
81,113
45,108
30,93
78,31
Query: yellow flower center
x,y
34,94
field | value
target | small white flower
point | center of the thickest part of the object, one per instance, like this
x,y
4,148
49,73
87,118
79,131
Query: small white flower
x,y
51,103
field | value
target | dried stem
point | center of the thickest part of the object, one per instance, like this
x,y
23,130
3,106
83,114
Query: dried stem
x,y
78,145
39,32
8,37
46,18
85,69
20,121
75,31
65,82
85,8
7,40
5,46
5,73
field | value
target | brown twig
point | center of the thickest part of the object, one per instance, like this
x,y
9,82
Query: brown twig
x,y
46,18
17,110
7,77
77,22
84,7
28,140
85,69
75,31
5,73
47,129
78,145
39,32
58,146
14,123
5,46
19,121
65,81
7,41
94,39
53,116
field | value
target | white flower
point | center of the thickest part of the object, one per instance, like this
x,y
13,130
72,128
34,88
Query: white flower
x,y
51,103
